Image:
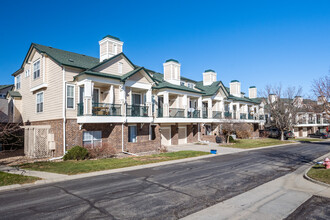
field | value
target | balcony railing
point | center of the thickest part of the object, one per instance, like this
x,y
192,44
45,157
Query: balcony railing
x,y
311,122
194,114
80,109
176,112
216,114
228,115
137,111
106,109
250,117
160,113
243,116
261,117
205,114
319,121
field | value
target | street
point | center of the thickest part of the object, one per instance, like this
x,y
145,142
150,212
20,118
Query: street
x,y
163,192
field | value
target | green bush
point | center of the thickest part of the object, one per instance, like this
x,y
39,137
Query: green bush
x,y
76,153
231,139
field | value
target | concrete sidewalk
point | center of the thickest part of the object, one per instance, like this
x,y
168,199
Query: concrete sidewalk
x,y
276,199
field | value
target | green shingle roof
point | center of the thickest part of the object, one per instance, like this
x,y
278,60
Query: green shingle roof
x,y
109,36
234,81
14,94
252,87
68,58
209,70
173,60
164,84
5,86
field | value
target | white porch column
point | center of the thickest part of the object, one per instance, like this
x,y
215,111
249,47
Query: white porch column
x,y
149,102
111,95
185,106
165,105
209,105
200,107
122,98
88,96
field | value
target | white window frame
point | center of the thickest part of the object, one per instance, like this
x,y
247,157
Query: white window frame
x,y
67,97
93,139
129,133
34,78
120,67
18,82
43,102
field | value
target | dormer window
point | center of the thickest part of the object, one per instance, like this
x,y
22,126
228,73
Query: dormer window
x,y
36,69
18,82
190,85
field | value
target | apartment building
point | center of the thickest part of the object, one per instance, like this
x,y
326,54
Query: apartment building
x,y
66,99
4,105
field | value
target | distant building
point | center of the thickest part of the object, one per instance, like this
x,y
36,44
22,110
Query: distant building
x,y
4,107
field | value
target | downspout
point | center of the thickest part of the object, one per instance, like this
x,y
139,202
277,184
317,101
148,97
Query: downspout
x,y
64,112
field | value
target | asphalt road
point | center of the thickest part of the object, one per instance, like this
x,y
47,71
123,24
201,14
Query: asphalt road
x,y
316,207
163,192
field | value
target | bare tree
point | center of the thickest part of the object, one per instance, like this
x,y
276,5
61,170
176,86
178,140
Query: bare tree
x,y
227,130
283,106
11,134
321,89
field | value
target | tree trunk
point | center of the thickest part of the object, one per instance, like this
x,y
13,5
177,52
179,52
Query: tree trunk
x,y
282,135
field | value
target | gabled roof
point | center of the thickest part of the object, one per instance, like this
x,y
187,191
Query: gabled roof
x,y
244,99
211,89
5,86
92,73
62,57
131,73
112,58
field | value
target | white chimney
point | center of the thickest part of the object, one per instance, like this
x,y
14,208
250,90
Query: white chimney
x,y
172,71
272,98
209,76
235,88
109,47
252,92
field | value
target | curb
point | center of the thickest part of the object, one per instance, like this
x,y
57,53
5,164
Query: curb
x,y
313,180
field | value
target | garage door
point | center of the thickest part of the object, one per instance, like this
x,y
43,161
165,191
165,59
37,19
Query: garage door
x,y
182,135
166,136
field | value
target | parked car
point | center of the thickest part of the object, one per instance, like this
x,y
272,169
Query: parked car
x,y
276,133
319,134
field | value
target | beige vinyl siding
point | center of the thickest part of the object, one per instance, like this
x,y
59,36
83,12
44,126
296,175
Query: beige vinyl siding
x,y
111,67
116,94
138,77
52,107
38,81
69,78
167,71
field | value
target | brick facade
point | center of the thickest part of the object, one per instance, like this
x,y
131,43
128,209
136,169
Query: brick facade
x,y
192,133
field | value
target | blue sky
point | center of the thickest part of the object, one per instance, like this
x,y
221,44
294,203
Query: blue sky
x,y
257,42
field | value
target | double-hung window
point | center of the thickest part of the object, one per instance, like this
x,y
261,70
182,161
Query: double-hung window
x,y
36,69
27,73
18,82
92,138
70,96
132,133
40,102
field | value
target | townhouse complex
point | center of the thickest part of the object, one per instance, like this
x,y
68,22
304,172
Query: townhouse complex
x,y
65,99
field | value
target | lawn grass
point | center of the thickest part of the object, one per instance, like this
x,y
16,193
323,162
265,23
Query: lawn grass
x,y
307,139
255,143
9,179
85,166
318,172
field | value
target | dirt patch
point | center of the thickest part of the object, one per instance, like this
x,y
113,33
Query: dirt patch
x,y
14,161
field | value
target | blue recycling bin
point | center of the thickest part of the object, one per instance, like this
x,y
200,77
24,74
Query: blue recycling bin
x,y
213,151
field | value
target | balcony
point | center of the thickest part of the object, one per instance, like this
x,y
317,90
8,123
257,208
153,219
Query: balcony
x,y
228,115
250,117
261,117
243,116
311,121
205,114
137,111
176,113
106,109
160,113
217,114
194,114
